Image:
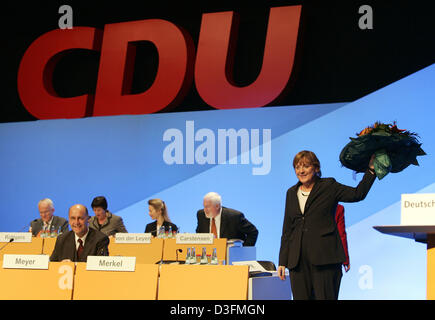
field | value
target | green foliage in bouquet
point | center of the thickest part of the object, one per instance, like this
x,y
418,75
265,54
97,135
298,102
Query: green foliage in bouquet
x,y
394,149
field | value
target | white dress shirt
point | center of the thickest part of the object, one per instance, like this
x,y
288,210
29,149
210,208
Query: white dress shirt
x,y
302,197
83,239
46,225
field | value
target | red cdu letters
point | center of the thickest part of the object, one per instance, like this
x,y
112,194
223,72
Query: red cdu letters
x,y
213,67
36,69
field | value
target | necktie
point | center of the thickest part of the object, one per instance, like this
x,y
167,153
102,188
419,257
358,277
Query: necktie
x,y
213,227
80,249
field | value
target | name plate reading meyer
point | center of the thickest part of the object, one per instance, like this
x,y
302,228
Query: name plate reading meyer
x,y
194,238
25,261
104,263
17,236
418,209
133,238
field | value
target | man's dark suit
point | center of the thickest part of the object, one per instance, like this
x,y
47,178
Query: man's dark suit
x,y
234,225
58,222
314,234
96,244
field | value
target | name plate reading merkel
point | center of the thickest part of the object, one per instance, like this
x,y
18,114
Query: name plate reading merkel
x,y
103,263
16,236
133,238
25,261
194,238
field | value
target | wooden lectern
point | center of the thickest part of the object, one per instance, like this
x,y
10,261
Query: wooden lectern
x,y
424,234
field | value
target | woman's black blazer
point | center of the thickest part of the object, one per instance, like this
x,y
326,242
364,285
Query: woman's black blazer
x,y
152,227
317,224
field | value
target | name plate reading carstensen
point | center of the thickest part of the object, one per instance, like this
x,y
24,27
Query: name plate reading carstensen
x,y
25,261
104,263
418,209
133,238
17,236
194,238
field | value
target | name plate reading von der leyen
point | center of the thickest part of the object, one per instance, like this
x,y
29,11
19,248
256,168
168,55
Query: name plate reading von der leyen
x,y
104,263
194,238
16,236
25,261
133,238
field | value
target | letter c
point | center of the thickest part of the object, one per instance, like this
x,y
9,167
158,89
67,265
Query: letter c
x,y
35,73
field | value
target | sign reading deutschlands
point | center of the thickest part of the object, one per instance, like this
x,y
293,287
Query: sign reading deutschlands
x,y
418,209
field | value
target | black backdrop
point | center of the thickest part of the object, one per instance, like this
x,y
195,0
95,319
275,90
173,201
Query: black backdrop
x,y
336,61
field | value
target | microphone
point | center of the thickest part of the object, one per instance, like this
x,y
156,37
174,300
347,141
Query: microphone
x,y
22,229
102,252
176,253
10,240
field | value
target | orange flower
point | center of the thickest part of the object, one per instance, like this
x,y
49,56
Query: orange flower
x,y
365,131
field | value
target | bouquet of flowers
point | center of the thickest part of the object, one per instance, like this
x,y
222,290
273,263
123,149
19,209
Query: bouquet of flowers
x,y
394,149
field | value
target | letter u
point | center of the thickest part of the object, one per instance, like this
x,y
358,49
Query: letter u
x,y
213,68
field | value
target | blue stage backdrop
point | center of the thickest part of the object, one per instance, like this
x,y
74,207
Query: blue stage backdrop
x,y
246,156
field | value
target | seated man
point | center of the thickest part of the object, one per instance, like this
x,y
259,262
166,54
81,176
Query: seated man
x,y
224,222
48,221
81,242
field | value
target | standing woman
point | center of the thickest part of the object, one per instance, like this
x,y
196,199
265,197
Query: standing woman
x,y
159,213
311,246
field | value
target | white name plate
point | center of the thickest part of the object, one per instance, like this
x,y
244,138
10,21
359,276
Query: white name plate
x,y
25,261
133,238
17,236
194,238
253,265
102,263
418,209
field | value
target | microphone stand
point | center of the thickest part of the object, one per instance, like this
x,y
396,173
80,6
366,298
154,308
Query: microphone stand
x,y
176,253
10,240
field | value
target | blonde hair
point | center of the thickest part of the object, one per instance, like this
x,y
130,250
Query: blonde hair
x,y
159,204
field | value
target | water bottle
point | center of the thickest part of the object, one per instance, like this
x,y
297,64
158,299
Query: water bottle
x,y
204,256
170,232
53,232
59,231
161,232
192,256
188,258
214,259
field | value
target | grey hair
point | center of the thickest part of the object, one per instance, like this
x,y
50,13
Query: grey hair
x,y
48,201
214,197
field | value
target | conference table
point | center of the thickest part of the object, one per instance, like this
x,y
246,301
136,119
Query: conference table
x,y
148,281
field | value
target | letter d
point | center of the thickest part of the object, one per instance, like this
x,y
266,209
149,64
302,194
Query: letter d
x,y
217,309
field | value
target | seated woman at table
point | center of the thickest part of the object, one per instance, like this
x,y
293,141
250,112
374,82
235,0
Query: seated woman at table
x,y
159,213
104,220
